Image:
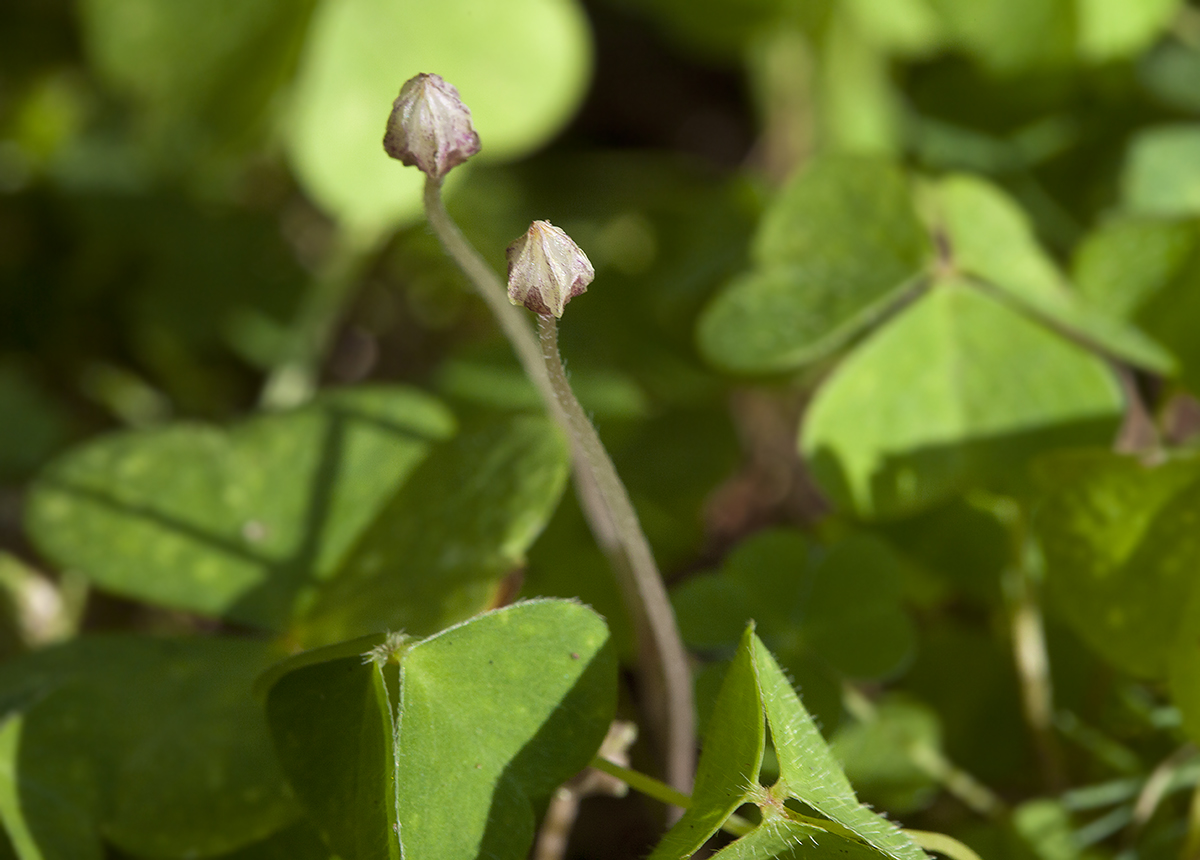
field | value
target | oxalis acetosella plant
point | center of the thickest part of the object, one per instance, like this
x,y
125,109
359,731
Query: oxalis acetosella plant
x,y
811,810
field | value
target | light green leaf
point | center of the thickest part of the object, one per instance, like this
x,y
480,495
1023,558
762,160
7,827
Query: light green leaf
x,y
437,549
1162,172
233,523
1115,29
1120,547
730,762
960,391
791,840
445,746
991,239
172,758
520,66
839,247
1011,37
1148,270
809,772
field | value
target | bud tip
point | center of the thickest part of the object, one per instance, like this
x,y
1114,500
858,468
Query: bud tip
x,y
546,269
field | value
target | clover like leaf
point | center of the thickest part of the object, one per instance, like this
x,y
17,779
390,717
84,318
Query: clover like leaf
x,y
363,510
985,389
755,689
168,729
444,746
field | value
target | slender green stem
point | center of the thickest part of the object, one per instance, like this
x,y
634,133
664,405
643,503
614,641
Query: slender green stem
x,y
735,825
605,504
930,760
657,617
942,844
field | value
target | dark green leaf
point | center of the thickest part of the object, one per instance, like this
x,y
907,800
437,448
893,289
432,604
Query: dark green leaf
x,y
1120,545
155,743
451,742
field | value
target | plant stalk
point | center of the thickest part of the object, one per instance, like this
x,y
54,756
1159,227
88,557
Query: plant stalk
x,y
655,615
604,503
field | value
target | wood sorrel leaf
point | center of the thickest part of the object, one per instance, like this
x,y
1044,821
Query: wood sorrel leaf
x,y
729,763
346,516
991,239
445,746
157,744
755,690
1120,544
984,389
808,771
836,250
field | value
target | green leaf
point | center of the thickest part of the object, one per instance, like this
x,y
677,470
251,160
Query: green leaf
x,y
437,549
1115,29
730,761
991,239
1148,270
1120,545
809,772
961,390
1162,172
172,758
791,840
520,66
233,523
489,717
332,717
838,248
843,612
200,71
880,755
1011,37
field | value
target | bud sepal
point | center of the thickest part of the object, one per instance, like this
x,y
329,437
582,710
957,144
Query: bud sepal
x,y
430,127
546,269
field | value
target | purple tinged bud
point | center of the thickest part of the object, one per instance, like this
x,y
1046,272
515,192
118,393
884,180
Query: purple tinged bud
x,y
430,127
546,270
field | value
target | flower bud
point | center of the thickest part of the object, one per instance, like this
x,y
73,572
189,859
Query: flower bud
x,y
546,270
430,127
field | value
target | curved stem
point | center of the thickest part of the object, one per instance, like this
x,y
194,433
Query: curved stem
x,y
604,503
657,617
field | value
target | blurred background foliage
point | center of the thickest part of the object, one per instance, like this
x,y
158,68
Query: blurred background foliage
x,y
864,270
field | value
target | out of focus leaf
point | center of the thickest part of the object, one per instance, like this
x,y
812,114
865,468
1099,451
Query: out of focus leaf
x,y
837,249
879,755
1120,543
1162,172
961,391
234,523
991,238
1113,29
1148,270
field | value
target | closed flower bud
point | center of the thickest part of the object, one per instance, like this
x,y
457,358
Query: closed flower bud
x,y
546,270
430,127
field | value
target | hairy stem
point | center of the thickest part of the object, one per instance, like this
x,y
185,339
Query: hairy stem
x,y
654,615
605,505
